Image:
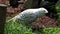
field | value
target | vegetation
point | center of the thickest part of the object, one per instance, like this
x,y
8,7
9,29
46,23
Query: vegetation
x,y
51,31
58,10
15,27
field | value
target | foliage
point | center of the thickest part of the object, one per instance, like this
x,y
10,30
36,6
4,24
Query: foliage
x,y
58,10
51,31
16,28
27,4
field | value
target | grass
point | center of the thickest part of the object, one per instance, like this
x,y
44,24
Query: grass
x,y
17,28
51,31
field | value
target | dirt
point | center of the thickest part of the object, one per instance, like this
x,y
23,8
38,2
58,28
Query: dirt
x,y
45,21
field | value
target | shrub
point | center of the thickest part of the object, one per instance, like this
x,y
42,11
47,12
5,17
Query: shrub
x,y
51,31
16,28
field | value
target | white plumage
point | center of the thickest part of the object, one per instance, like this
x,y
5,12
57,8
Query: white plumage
x,y
29,14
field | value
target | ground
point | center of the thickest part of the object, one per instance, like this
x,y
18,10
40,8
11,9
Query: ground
x,y
45,21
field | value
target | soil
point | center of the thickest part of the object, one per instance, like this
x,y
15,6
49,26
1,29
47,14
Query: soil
x,y
45,21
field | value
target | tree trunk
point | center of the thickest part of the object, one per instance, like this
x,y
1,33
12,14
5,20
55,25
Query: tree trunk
x,y
2,17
